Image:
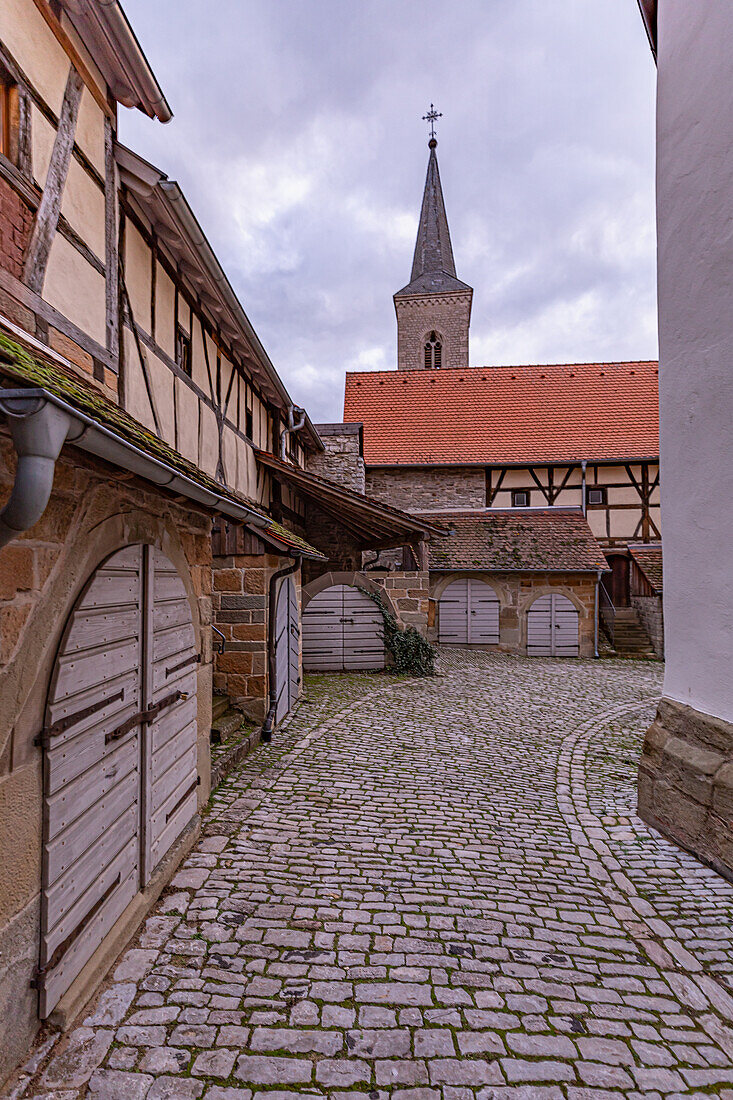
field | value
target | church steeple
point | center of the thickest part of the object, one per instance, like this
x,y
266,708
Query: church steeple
x,y
434,309
433,250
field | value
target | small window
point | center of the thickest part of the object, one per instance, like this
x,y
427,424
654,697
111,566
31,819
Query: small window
x,y
248,424
8,120
520,498
433,352
183,351
597,496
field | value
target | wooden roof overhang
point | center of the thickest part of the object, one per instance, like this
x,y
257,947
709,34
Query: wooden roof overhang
x,y
178,232
375,525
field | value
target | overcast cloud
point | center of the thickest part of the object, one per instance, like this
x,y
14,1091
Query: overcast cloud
x,y
298,141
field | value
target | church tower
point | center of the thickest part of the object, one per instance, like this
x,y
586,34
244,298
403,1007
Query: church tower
x,y
434,309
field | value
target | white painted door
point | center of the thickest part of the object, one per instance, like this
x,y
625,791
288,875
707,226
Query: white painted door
x,y
552,627
287,644
468,613
342,629
117,757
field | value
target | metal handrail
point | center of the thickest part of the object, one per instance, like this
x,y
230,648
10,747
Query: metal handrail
x,y
219,648
607,612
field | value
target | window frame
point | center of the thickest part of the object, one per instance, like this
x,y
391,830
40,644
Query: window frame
x,y
9,121
521,493
597,489
184,360
433,350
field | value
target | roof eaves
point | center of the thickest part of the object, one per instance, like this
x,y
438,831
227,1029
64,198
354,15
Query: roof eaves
x,y
106,32
648,9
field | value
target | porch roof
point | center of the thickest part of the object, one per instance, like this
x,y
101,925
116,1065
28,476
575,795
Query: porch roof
x,y
648,558
373,523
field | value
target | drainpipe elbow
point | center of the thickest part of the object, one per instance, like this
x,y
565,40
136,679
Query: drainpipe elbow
x,y
38,430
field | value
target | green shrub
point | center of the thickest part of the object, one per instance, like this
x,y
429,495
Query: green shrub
x,y
412,653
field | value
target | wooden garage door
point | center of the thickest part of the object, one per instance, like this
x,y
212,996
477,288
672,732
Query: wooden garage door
x,y
552,627
342,629
287,634
468,613
113,782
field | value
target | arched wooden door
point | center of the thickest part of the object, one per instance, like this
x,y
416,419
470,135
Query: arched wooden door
x,y
468,613
287,646
552,627
120,769
342,629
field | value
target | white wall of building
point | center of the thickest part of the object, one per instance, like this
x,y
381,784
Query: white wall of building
x,y
695,228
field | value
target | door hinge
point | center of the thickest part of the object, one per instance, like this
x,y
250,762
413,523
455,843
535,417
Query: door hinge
x,y
145,715
44,738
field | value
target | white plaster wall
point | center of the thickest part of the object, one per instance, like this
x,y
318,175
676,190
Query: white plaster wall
x,y
30,40
695,270
76,289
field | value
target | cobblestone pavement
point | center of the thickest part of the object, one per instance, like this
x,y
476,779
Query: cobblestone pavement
x,y
429,890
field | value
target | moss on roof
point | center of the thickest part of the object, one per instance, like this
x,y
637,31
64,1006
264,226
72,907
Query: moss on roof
x,y
19,364
295,541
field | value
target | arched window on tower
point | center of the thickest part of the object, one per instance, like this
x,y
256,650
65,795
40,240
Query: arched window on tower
x,y
433,351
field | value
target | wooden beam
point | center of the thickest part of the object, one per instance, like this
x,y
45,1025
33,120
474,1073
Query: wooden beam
x,y
141,355
111,275
47,215
75,57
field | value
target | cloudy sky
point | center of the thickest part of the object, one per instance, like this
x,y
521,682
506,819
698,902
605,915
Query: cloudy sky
x,y
298,141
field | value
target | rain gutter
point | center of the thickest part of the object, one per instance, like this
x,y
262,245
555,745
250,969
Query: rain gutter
x,y
40,423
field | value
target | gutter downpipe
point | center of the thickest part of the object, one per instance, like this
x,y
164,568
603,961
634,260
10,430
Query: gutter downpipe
x,y
38,430
293,426
597,614
584,502
98,440
280,574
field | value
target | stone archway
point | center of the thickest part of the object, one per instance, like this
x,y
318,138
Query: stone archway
x,y
353,580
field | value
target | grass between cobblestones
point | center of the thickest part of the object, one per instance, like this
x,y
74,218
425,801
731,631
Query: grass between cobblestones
x,y
432,889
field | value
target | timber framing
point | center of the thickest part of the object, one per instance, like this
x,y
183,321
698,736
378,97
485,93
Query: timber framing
x,y
49,208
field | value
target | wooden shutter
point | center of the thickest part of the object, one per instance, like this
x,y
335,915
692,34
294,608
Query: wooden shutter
x,y
483,614
287,645
169,749
119,781
323,635
363,644
552,627
453,613
342,629
91,774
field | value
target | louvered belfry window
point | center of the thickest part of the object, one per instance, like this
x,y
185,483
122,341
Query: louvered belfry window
x,y
433,352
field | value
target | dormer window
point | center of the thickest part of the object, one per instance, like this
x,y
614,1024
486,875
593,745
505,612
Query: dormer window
x,y
433,352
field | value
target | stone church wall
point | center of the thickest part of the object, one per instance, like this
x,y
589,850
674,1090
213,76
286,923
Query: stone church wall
x,y
447,314
428,488
342,462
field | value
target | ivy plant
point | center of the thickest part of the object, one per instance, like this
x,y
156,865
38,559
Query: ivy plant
x,y
412,653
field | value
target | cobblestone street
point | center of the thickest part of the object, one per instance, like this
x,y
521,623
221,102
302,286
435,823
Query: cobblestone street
x,y
429,890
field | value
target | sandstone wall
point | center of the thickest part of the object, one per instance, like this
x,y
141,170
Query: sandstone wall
x,y
426,488
240,600
686,782
342,461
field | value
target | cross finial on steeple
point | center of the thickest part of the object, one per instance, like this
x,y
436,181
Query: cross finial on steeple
x,y
431,117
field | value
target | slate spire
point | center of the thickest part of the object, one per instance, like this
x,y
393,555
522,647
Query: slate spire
x,y
433,250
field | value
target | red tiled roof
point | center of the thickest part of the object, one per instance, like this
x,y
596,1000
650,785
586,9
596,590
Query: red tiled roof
x,y
506,415
551,540
648,557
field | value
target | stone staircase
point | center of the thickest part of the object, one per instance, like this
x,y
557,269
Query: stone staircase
x,y
226,720
630,639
